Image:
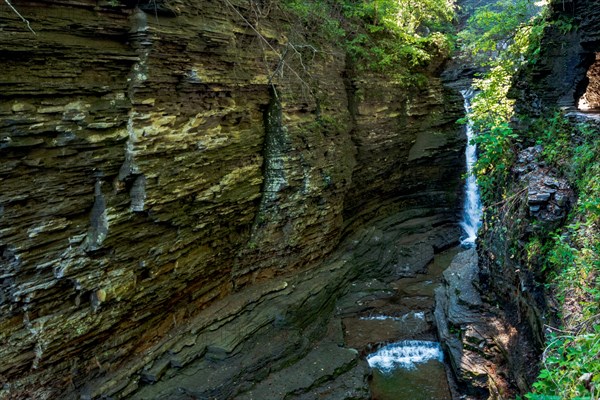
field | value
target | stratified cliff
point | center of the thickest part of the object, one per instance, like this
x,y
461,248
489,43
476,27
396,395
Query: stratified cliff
x,y
177,179
567,66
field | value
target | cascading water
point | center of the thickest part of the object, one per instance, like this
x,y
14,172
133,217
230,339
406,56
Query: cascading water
x,y
411,368
405,354
471,218
406,369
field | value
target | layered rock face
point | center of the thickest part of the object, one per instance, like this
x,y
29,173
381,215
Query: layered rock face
x,y
174,181
566,78
567,67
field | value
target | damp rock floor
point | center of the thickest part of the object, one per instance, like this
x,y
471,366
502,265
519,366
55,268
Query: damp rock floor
x,y
286,363
372,315
375,314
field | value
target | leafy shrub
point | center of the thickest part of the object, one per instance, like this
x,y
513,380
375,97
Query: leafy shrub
x,y
572,256
571,367
399,38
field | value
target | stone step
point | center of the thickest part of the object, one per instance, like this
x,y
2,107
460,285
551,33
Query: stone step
x,y
324,363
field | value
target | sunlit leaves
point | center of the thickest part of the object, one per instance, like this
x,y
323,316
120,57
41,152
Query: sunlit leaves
x,y
404,36
503,36
493,28
571,367
399,38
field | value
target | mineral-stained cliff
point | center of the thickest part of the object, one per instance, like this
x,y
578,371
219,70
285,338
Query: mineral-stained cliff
x,y
177,178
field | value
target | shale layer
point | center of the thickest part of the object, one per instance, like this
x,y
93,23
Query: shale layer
x,y
169,171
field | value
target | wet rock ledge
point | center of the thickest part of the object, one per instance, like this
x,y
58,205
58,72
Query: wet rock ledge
x,y
479,336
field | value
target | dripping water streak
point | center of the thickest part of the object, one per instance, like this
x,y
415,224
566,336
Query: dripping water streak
x,y
471,218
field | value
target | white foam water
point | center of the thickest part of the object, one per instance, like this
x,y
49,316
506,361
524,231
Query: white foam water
x,y
471,218
380,318
419,315
405,354
411,315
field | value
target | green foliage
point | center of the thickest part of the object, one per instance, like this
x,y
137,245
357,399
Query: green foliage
x,y
572,148
402,17
554,135
493,28
400,38
572,258
321,14
571,367
495,159
564,24
503,37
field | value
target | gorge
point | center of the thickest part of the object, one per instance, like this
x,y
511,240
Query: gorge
x,y
218,200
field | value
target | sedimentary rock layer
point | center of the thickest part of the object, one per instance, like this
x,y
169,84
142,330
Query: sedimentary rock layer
x,y
156,161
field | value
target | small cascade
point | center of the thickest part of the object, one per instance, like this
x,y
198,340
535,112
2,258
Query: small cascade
x,y
471,218
410,366
405,354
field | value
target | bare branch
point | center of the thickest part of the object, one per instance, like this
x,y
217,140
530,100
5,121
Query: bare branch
x,y
20,16
281,57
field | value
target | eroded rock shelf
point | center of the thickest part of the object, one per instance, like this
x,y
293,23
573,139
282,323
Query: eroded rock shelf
x,y
167,204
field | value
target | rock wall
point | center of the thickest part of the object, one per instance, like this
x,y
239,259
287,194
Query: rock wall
x,y
167,171
565,72
539,198
568,50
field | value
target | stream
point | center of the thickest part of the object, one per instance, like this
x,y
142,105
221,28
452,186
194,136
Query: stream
x,y
411,366
400,338
425,381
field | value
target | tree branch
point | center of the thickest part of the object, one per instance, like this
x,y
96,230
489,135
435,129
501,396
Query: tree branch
x,y
20,16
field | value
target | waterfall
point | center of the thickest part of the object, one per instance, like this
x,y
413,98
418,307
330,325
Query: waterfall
x,y
404,354
471,217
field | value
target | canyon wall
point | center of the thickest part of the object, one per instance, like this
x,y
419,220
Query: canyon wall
x,y
565,73
539,196
567,53
177,178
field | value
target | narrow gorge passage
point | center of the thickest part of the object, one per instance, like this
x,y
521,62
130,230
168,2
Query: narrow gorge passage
x,y
411,368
